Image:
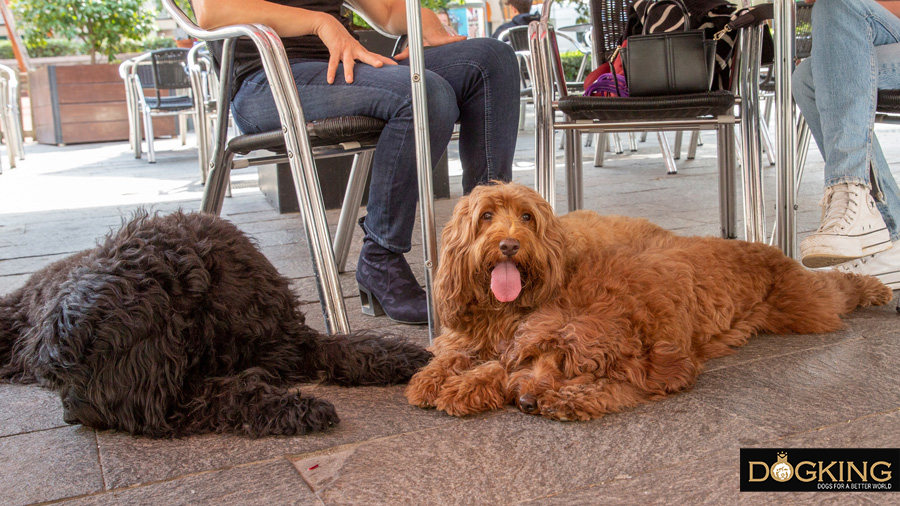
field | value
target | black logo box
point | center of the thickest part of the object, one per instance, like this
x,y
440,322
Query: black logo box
x,y
845,478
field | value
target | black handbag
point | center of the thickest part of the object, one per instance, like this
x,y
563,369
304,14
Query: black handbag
x,y
669,63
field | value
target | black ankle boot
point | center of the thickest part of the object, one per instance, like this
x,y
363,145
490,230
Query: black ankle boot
x,y
388,286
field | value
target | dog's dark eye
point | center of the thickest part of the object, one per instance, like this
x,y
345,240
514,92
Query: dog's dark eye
x,y
487,216
526,217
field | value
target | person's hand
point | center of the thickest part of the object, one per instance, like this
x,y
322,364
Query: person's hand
x,y
433,35
343,48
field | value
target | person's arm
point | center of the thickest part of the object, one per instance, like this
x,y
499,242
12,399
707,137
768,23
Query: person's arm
x,y
390,15
892,5
291,22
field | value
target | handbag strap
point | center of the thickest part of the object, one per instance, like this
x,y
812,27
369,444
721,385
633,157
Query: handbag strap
x,y
750,17
654,3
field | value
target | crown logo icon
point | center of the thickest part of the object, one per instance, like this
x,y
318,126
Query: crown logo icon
x,y
782,470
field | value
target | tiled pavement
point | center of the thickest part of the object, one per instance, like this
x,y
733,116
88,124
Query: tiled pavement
x,y
833,390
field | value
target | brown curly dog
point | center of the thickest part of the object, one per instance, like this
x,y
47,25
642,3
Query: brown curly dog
x,y
572,317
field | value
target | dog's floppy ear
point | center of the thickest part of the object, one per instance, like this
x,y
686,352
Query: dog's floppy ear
x,y
552,253
455,282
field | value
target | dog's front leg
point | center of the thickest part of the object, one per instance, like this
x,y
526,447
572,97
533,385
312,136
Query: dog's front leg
x,y
479,389
425,386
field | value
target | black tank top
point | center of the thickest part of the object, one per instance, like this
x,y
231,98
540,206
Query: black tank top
x,y
310,47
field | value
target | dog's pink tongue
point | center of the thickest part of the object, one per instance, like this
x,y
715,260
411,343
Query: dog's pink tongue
x,y
506,283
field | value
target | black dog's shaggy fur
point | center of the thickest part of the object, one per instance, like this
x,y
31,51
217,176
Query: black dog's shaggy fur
x,y
178,325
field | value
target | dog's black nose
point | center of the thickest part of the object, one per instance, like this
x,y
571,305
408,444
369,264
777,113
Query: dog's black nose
x,y
509,247
70,418
528,404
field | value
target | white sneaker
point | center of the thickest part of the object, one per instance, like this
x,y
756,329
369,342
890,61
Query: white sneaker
x,y
851,228
885,266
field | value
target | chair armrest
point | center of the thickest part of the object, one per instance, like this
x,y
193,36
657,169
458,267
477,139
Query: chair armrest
x,y
275,64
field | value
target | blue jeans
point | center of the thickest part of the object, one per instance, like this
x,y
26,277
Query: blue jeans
x,y
855,52
475,82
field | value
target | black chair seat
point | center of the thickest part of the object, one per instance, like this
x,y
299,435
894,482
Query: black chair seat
x,y
889,101
648,108
175,103
325,132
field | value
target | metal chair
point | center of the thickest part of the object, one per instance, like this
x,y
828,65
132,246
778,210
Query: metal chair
x,y
298,142
161,70
205,84
714,110
10,114
517,37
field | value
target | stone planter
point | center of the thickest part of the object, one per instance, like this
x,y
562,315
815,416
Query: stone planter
x,y
73,104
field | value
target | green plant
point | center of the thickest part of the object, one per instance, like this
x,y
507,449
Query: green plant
x,y
571,61
103,25
6,50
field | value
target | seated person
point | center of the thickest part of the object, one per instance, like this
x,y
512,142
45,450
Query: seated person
x,y
860,230
522,16
473,81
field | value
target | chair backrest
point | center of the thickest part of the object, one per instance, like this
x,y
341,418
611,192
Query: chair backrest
x,y
517,37
609,18
170,69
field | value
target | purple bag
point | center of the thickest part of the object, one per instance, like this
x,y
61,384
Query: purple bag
x,y
608,85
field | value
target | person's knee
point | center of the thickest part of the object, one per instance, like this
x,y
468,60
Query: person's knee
x,y
492,57
442,109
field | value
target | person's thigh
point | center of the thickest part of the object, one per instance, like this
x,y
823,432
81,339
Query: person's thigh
x,y
376,92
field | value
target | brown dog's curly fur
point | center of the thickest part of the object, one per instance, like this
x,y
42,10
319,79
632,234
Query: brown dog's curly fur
x,y
177,325
613,311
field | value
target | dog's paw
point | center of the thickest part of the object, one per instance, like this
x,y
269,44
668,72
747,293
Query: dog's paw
x,y
294,416
567,404
466,395
424,388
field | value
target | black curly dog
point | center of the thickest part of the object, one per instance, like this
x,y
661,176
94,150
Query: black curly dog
x,y
178,325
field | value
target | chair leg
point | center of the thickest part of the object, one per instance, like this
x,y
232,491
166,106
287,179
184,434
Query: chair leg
x,y
617,143
523,103
644,136
137,122
631,142
356,186
676,152
182,128
671,168
803,138
8,136
148,133
600,149
767,141
727,168
215,189
692,147
545,153
574,170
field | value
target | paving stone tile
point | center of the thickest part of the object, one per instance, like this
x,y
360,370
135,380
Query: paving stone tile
x,y
48,465
366,413
715,479
28,408
812,388
264,484
864,322
506,457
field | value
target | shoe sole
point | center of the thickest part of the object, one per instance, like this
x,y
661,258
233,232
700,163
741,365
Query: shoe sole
x,y
823,254
891,279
